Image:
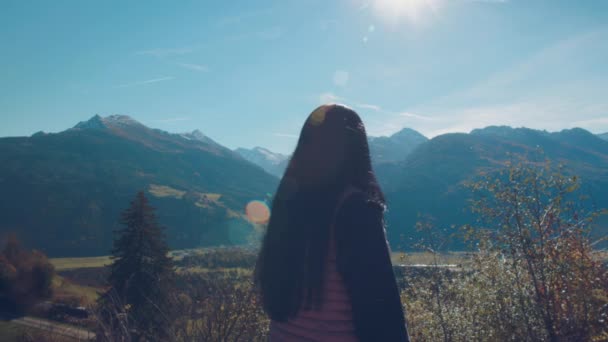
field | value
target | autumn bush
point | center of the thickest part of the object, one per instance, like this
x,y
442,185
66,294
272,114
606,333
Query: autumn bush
x,y
533,276
25,276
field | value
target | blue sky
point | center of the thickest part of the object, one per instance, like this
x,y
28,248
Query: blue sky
x,y
247,73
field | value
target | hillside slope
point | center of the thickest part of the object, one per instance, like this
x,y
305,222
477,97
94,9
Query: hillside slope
x,y
431,180
63,192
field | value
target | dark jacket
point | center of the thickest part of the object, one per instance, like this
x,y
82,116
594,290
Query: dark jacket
x,y
364,262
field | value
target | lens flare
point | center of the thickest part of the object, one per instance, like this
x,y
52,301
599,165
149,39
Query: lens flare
x,y
257,212
318,116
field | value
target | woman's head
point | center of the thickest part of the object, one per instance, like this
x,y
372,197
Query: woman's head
x,y
332,150
332,154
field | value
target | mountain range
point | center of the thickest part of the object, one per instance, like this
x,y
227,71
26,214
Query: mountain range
x,y
427,177
431,181
389,149
63,192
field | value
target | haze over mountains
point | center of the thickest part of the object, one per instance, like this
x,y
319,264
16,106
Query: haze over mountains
x,y
383,149
63,192
272,162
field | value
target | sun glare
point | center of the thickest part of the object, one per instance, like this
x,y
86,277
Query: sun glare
x,y
394,12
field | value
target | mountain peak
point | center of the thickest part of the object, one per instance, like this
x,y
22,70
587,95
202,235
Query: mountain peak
x,y
507,131
197,135
408,133
493,130
580,136
119,119
96,122
396,147
576,131
262,149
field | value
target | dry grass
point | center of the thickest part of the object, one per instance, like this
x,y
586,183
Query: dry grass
x,y
63,264
427,258
85,262
409,258
213,197
10,331
63,288
13,332
165,191
206,200
601,255
240,271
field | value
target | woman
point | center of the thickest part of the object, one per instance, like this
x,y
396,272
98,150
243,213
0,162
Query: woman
x,y
324,270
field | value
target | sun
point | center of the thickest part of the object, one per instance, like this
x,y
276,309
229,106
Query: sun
x,y
394,12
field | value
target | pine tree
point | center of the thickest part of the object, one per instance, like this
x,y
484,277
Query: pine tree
x,y
140,272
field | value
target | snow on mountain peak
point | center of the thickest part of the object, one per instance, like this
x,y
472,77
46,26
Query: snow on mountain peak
x,y
117,119
96,122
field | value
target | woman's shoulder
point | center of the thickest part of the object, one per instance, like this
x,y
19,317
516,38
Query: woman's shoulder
x,y
357,199
358,207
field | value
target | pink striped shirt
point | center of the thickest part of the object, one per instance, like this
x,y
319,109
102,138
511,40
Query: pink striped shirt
x,y
332,322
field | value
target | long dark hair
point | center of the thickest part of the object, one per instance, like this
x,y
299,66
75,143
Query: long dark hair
x,y
332,154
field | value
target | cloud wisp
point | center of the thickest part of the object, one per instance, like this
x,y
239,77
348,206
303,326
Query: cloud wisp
x,y
285,135
165,52
381,122
141,83
558,86
194,67
515,96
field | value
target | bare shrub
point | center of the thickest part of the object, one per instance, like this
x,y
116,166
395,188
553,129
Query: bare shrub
x,y
219,306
